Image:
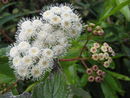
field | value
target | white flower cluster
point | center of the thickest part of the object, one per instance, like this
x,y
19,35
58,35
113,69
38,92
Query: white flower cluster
x,y
41,39
102,53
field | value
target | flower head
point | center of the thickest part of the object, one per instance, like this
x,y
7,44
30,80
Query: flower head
x,y
41,39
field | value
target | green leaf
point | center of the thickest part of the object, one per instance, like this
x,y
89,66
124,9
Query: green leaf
x,y
113,84
112,65
71,75
5,79
53,87
79,92
84,80
114,10
125,10
6,6
108,92
3,51
108,6
30,87
4,66
119,76
10,17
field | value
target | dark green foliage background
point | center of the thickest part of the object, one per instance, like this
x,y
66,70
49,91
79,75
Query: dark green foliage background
x,y
107,13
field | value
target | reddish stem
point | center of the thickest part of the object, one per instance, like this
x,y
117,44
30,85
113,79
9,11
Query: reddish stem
x,y
73,59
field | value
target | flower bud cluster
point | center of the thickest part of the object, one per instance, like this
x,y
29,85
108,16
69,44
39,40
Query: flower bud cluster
x,y
95,74
102,53
96,30
41,39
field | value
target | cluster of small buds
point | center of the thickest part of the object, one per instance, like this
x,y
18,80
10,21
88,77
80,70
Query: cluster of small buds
x,y
90,27
95,74
102,53
42,39
96,30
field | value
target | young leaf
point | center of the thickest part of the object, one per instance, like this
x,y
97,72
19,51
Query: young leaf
x,y
108,92
119,76
5,79
10,17
79,92
125,10
4,66
6,6
113,84
54,87
114,10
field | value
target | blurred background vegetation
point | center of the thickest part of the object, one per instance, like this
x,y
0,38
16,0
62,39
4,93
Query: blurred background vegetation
x,y
114,19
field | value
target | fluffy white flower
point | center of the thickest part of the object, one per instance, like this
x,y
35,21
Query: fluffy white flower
x,y
37,23
42,39
30,30
14,51
45,63
47,53
56,10
75,17
17,61
66,24
55,20
36,72
23,71
26,24
78,26
58,50
51,39
47,27
66,9
24,45
73,33
34,51
63,41
66,16
42,35
27,60
22,36
47,14
59,34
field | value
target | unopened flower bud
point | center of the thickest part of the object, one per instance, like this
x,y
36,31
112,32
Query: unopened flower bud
x,y
91,78
95,32
92,24
100,33
95,57
89,29
98,27
89,71
106,64
98,79
95,68
99,72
